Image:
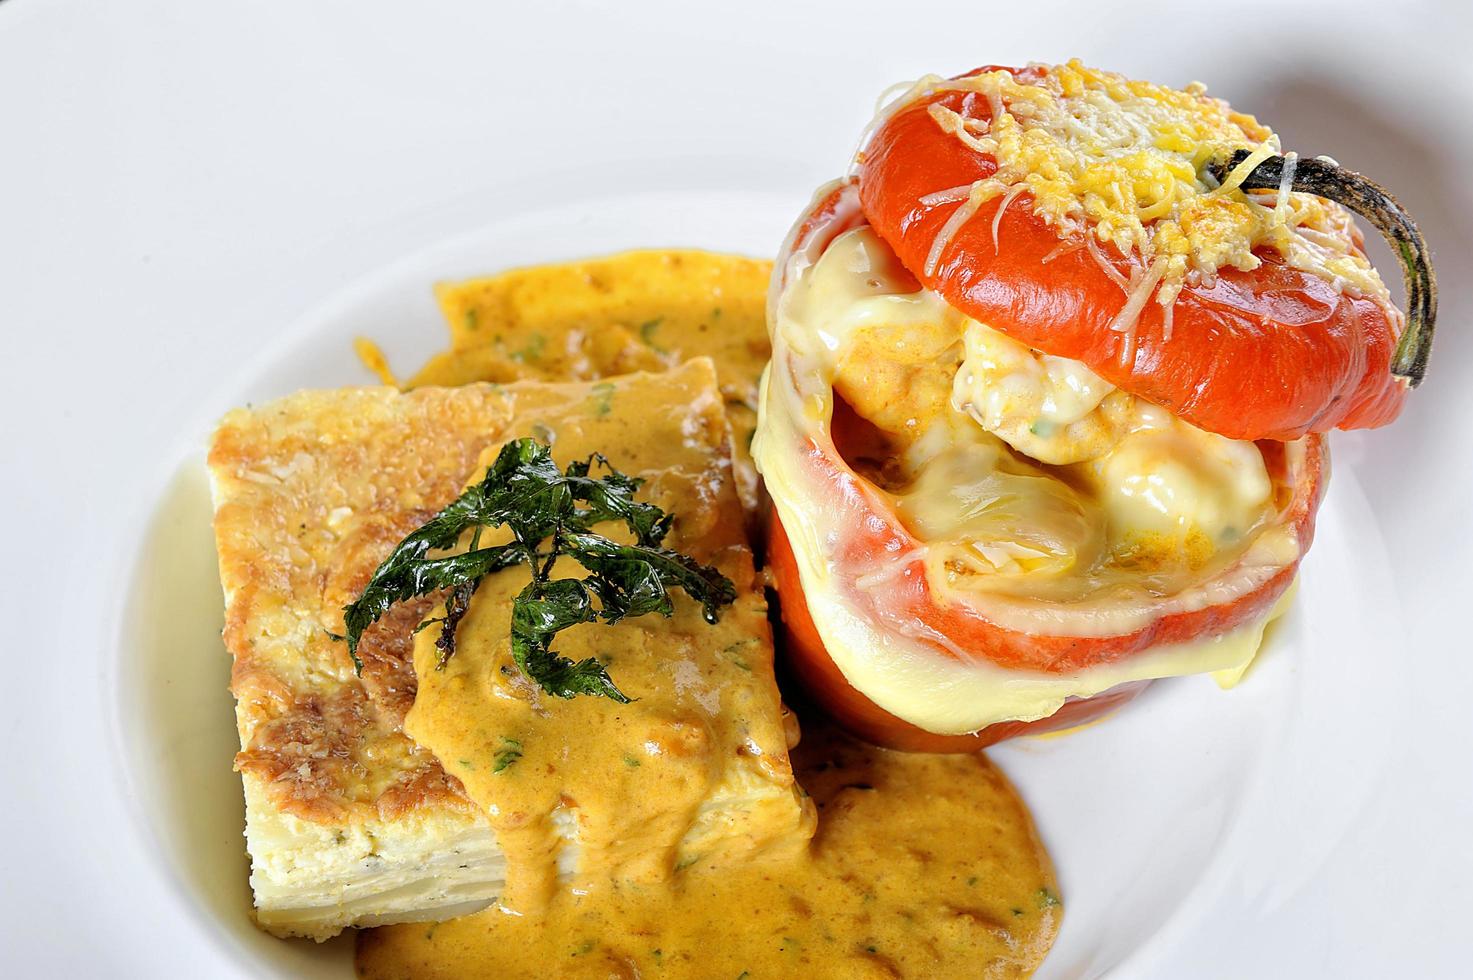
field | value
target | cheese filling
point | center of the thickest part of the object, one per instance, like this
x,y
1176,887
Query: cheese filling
x,y
1160,484
1033,491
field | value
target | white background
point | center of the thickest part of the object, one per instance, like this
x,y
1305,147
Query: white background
x,y
181,181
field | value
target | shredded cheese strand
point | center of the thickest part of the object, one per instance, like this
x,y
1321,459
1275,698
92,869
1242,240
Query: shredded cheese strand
x,y
982,192
954,123
1063,248
1240,173
1110,159
1135,302
1104,264
948,196
1286,183
1007,199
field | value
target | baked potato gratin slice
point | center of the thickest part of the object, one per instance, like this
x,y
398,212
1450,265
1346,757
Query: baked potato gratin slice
x,y
348,821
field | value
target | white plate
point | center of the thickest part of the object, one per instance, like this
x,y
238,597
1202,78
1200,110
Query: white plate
x,y
195,179
1141,812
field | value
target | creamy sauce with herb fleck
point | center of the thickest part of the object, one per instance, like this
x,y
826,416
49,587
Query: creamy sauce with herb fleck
x,y
652,785
922,866
642,310
668,837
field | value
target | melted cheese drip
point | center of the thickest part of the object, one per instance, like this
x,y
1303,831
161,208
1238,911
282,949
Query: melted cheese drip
x,y
989,513
1123,161
953,696
1173,480
1157,477
1145,516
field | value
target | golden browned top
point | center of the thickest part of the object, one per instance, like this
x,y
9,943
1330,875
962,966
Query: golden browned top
x,y
312,492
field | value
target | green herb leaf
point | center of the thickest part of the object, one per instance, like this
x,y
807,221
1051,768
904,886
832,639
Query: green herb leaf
x,y
647,334
456,605
539,613
533,351
611,498
524,491
603,399
404,575
632,580
510,752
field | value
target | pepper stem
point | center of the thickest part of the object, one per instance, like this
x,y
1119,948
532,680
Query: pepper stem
x,y
1369,199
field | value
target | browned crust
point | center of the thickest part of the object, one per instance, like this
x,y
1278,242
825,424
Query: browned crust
x,y
312,492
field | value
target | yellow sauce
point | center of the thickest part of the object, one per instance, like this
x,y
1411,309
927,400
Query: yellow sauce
x,y
667,837
652,785
923,866
595,318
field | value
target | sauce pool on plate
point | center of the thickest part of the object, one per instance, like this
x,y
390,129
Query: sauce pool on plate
x,y
921,866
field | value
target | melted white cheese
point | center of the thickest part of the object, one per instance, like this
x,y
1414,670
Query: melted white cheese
x,y
1054,409
997,514
953,696
1170,478
1025,536
1154,473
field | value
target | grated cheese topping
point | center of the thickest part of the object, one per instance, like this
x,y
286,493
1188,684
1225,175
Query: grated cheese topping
x,y
1123,162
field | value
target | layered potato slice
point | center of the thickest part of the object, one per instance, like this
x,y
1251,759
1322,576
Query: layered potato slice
x,y
348,821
